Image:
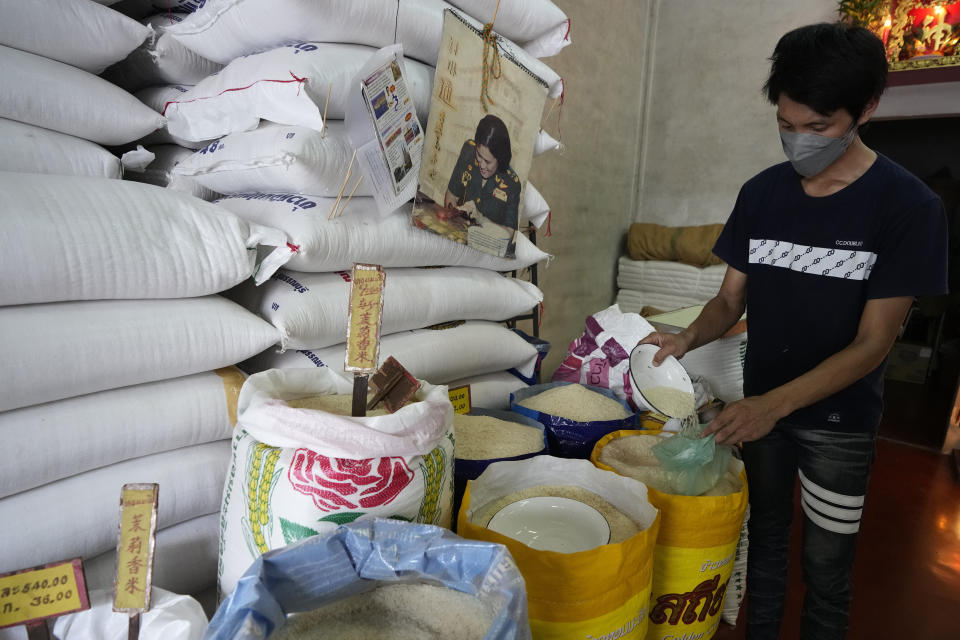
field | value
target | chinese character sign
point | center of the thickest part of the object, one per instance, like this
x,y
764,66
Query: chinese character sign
x,y
363,325
138,525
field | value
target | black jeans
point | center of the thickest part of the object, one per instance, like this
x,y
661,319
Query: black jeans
x,y
834,468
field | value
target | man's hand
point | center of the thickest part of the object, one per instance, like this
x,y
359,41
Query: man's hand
x,y
745,420
671,344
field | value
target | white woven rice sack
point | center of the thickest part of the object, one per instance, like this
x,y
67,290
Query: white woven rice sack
x,y
100,429
162,172
157,98
171,617
66,349
139,9
31,149
81,33
296,472
490,390
362,235
539,26
56,96
160,59
286,85
310,309
77,516
275,157
533,208
720,363
226,29
437,355
70,238
185,560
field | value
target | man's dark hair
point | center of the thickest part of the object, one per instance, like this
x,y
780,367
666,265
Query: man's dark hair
x,y
827,67
492,133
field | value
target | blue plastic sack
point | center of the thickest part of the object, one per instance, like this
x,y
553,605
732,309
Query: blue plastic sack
x,y
464,470
357,558
569,438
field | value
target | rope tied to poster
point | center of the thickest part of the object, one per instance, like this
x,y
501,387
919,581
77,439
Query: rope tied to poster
x,y
492,69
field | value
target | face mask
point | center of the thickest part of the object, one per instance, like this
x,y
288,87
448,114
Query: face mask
x,y
810,153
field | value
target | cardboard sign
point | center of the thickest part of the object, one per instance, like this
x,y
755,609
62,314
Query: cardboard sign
x,y
31,595
460,399
363,323
392,384
138,528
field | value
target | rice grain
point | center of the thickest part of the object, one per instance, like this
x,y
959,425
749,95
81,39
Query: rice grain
x,y
486,437
576,402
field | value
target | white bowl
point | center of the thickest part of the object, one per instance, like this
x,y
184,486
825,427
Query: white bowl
x,y
549,523
644,375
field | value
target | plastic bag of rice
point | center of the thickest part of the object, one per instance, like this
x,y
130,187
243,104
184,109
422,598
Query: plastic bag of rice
x,y
487,436
378,579
575,415
302,466
696,549
602,592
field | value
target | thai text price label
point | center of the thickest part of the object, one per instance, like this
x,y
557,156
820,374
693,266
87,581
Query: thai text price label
x,y
460,399
138,528
363,325
34,594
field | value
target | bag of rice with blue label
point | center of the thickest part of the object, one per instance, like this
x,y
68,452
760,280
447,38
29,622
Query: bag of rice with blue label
x,y
302,465
378,579
575,416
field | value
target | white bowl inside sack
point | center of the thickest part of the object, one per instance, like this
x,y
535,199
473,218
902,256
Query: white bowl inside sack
x,y
549,523
644,375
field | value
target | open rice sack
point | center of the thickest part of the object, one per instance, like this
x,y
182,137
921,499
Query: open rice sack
x,y
486,436
302,465
447,587
575,415
695,551
603,592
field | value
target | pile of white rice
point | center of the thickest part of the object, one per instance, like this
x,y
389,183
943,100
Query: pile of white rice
x,y
632,456
576,402
394,612
622,527
486,437
669,401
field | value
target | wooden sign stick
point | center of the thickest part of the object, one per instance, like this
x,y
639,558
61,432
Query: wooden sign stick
x,y
323,134
353,191
346,179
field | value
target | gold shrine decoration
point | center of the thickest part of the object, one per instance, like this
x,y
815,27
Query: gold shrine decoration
x,y
918,34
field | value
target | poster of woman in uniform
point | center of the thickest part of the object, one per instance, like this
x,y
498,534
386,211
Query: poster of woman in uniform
x,y
484,119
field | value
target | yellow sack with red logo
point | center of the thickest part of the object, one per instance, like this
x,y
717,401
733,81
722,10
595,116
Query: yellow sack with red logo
x,y
599,593
693,557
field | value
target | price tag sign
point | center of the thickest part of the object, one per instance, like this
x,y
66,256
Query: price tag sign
x,y
138,528
31,595
363,321
460,399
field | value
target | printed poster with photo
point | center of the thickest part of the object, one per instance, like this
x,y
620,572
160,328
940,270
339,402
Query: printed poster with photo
x,y
478,148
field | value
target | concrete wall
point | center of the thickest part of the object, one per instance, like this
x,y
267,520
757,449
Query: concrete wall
x,y
708,128
592,185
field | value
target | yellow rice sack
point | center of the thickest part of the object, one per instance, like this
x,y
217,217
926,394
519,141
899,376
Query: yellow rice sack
x,y
693,556
599,593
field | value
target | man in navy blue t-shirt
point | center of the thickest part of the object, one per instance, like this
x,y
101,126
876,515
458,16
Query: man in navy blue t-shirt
x,y
827,252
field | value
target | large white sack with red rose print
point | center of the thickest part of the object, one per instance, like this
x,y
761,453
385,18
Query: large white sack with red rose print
x,y
299,472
